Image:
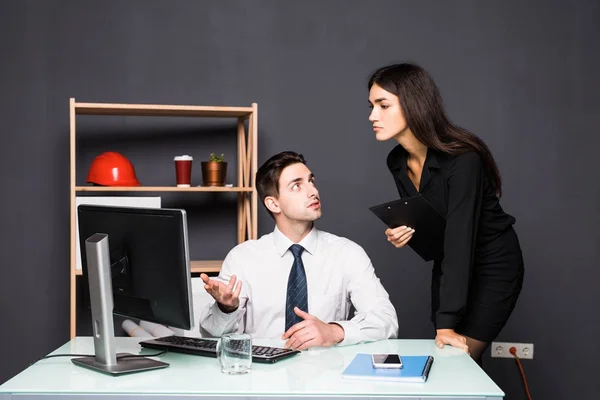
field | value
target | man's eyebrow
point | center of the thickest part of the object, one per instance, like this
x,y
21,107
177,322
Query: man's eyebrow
x,y
296,180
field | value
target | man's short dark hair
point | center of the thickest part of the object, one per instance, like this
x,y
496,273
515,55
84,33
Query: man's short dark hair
x,y
267,176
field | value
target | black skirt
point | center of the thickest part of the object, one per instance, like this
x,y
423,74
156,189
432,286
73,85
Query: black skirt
x,y
496,282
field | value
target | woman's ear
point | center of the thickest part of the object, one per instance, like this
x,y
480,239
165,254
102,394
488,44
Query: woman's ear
x,y
272,204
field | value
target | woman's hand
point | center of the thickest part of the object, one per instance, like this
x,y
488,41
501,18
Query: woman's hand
x,y
399,236
448,336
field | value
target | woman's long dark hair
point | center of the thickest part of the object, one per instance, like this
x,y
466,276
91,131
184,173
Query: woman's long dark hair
x,y
426,118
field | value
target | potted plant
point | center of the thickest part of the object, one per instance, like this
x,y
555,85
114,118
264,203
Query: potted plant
x,y
214,171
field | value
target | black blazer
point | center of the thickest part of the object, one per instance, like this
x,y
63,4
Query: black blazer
x,y
459,189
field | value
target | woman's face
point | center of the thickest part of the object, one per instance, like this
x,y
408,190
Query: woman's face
x,y
386,114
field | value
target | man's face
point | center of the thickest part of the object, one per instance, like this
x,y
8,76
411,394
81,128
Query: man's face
x,y
298,199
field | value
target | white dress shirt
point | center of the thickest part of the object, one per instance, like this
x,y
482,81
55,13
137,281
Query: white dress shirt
x,y
338,273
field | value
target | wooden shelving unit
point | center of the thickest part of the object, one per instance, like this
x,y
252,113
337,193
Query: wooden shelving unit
x,y
247,166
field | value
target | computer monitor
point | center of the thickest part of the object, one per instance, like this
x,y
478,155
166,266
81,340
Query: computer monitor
x,y
136,264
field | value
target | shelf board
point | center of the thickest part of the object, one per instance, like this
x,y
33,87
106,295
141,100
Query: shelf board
x,y
159,110
161,189
206,266
196,266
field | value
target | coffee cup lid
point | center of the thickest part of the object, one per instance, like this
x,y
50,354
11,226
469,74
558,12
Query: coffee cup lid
x,y
184,158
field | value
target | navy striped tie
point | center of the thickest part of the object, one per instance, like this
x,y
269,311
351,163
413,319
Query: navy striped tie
x,y
297,294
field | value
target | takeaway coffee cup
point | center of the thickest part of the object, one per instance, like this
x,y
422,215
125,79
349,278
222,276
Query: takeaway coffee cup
x,y
183,170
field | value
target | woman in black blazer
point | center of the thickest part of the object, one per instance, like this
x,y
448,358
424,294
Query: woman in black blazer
x,y
477,282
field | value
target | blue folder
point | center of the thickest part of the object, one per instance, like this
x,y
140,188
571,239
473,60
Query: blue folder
x,y
415,369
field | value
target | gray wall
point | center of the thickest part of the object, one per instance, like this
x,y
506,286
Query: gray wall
x,y
522,75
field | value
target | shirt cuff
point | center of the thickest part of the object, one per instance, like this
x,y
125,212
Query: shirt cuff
x,y
225,322
445,321
351,332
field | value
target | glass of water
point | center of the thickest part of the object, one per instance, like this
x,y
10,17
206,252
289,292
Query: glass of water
x,y
234,352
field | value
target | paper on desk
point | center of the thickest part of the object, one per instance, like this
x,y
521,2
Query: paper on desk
x,y
134,329
156,330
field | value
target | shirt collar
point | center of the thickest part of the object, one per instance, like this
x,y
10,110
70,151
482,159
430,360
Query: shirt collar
x,y
397,164
283,243
431,161
397,159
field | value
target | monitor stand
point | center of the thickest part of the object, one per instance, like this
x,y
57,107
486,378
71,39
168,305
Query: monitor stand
x,y
101,299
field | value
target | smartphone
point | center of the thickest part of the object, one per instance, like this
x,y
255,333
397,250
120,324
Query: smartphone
x,y
386,361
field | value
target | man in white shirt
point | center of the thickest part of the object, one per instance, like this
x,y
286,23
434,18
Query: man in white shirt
x,y
297,283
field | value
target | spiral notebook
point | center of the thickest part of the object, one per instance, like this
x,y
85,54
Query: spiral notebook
x,y
415,369
415,212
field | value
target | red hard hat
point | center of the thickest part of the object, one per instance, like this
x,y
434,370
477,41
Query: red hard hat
x,y
112,169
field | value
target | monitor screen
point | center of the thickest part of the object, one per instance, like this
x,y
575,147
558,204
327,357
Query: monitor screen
x,y
149,261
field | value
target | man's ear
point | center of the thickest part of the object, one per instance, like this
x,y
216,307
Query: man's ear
x,y
272,204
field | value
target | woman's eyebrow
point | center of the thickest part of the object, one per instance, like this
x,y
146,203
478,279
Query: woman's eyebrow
x,y
379,100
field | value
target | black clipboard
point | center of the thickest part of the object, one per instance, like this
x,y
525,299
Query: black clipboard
x,y
415,212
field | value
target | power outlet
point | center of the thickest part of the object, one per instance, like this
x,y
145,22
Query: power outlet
x,y
502,350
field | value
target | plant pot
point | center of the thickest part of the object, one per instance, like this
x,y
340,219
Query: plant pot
x,y
214,173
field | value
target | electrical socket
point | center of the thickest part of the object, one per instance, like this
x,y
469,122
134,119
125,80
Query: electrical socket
x,y
502,350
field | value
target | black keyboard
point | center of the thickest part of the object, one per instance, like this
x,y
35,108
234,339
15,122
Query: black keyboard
x,y
208,347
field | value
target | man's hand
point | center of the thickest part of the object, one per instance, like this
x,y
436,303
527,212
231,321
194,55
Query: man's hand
x,y
448,336
312,332
227,296
399,236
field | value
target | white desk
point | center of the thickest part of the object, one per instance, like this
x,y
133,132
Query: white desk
x,y
314,374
